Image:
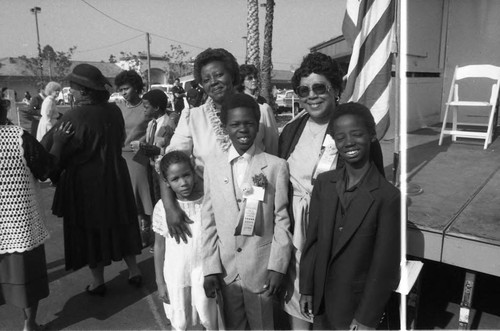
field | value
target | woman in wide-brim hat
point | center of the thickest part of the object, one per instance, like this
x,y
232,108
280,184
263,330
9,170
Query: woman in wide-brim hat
x,y
94,194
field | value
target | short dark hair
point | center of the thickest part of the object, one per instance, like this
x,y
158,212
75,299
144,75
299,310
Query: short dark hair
x,y
177,80
157,98
217,54
320,64
358,110
246,70
239,100
130,77
173,157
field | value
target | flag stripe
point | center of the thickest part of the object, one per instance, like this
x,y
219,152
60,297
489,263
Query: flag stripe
x,y
369,73
374,67
375,37
376,88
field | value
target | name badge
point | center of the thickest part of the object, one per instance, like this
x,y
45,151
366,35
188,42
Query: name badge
x,y
257,193
249,217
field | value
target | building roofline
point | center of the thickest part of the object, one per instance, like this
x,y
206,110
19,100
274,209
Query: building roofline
x,y
329,42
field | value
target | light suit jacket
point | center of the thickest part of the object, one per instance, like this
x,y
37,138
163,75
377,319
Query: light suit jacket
x,y
247,256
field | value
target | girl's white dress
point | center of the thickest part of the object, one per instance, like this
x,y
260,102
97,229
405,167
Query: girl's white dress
x,y
49,116
183,273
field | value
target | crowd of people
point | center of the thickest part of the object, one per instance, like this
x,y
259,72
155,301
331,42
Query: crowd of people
x,y
243,222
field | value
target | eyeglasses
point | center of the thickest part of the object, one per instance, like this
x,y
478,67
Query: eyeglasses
x,y
319,88
251,78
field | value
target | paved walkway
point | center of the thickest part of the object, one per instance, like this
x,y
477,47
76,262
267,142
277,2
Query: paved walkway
x,y
68,307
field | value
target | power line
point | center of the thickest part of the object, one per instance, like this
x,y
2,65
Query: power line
x,y
139,30
113,19
107,46
153,34
180,42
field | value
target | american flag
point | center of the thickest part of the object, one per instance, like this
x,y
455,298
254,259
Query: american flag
x,y
369,27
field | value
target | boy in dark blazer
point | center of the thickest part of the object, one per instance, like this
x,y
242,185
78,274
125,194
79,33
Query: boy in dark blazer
x,y
350,263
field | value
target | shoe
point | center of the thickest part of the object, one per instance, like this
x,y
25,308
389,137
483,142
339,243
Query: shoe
x,y
135,281
99,290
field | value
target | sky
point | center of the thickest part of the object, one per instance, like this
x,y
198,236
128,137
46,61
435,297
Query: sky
x,y
100,28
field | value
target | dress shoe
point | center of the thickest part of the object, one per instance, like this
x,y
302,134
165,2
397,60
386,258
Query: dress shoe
x,y
135,281
99,290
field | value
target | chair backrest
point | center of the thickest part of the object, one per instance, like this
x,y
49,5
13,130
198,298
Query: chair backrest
x,y
476,71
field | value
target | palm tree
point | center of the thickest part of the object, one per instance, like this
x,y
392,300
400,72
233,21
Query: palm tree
x,y
267,64
253,33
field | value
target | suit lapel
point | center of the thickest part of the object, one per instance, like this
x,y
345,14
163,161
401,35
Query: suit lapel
x,y
225,180
331,208
362,202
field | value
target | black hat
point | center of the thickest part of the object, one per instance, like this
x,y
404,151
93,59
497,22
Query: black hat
x,y
88,76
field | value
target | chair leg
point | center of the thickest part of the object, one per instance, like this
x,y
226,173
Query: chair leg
x,y
489,132
455,121
443,127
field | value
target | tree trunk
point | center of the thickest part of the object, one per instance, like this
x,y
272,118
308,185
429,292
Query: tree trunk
x,y
267,63
253,33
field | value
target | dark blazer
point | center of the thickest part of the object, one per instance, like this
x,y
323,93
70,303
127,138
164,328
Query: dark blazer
x,y
356,278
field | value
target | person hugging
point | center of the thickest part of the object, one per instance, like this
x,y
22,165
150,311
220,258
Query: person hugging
x,y
245,225
178,267
350,262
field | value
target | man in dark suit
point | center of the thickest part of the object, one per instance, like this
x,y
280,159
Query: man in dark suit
x,y
32,113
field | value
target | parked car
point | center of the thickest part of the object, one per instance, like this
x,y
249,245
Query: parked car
x,y
63,97
288,100
116,97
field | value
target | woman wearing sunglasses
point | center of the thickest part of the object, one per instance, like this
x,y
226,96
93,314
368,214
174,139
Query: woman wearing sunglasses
x,y
307,144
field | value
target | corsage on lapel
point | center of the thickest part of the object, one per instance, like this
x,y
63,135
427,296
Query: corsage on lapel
x,y
253,195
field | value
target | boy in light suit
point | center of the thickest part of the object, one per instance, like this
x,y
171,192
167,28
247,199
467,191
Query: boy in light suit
x,y
245,225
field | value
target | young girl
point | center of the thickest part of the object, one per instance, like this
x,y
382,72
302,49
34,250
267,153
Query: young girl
x,y
350,262
178,267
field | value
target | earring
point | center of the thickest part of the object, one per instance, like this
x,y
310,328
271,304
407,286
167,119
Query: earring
x,y
337,98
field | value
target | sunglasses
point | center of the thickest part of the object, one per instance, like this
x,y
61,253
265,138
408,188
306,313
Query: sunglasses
x,y
319,88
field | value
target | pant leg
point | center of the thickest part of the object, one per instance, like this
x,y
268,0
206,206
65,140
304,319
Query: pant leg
x,y
234,306
259,310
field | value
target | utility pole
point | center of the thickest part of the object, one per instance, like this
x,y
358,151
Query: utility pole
x,y
36,10
148,39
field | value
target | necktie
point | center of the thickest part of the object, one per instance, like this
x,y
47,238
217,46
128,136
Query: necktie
x,y
152,133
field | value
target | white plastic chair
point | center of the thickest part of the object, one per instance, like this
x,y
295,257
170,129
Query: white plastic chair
x,y
490,74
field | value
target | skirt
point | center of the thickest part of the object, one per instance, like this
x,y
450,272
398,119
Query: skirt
x,y
100,245
23,278
140,178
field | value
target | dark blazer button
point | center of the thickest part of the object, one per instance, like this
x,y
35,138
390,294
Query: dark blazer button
x,y
238,250
239,200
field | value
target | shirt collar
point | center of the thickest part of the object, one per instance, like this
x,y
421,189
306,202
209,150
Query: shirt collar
x,y
232,154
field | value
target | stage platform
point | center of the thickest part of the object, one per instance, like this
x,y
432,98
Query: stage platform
x,y
455,219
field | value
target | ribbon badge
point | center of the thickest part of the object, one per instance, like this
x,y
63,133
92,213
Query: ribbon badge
x,y
254,195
